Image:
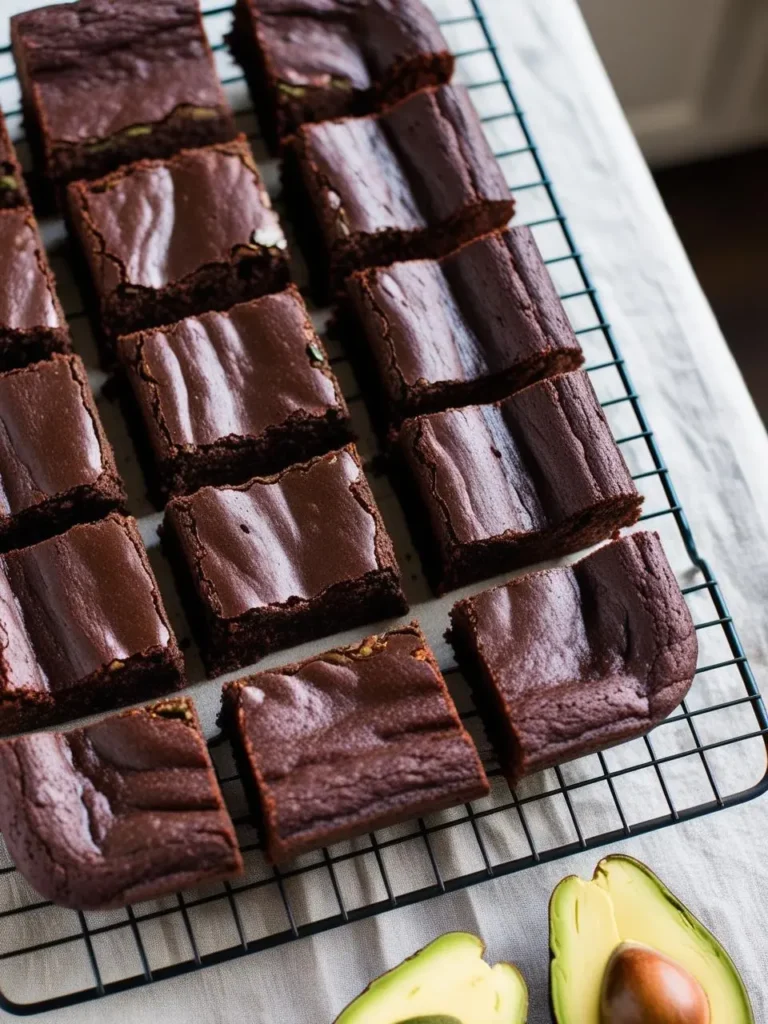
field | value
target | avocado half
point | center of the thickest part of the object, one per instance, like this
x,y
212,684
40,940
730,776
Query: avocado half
x,y
447,982
626,902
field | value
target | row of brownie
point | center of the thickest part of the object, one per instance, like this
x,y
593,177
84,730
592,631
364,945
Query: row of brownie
x,y
353,739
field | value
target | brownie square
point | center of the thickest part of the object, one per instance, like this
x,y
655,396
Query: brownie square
x,y
350,741
282,559
124,810
473,327
57,467
13,191
413,182
84,626
307,60
32,322
106,82
569,661
496,487
225,396
170,238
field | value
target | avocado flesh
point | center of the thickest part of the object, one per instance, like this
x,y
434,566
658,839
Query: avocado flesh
x,y
447,982
626,902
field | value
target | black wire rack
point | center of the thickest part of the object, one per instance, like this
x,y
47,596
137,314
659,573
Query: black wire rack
x,y
710,754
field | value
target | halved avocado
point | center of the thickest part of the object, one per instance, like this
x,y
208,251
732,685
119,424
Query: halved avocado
x,y
626,903
447,982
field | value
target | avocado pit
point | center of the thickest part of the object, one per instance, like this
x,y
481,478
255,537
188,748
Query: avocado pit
x,y
643,986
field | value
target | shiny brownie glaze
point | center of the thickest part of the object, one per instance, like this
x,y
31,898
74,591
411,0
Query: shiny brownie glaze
x,y
225,396
312,60
569,661
475,326
84,626
413,182
105,82
506,485
170,238
56,464
282,559
32,322
350,741
125,810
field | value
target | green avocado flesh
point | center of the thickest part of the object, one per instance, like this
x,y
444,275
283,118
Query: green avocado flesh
x,y
626,902
447,982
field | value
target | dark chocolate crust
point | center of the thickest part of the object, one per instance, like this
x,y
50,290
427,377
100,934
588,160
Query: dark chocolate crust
x,y
125,810
57,467
413,182
83,627
225,244
226,396
32,322
13,190
569,661
350,741
474,327
282,559
313,60
107,82
501,486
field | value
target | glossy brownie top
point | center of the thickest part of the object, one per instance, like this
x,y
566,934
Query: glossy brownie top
x,y
98,67
51,440
120,811
76,605
516,467
27,296
355,731
230,374
420,162
156,222
486,308
585,655
285,538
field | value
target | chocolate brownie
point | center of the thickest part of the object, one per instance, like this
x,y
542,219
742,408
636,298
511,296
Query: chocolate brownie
x,y
350,741
495,487
83,626
312,60
412,182
57,467
13,191
106,82
122,811
569,661
282,559
32,322
226,396
166,239
473,327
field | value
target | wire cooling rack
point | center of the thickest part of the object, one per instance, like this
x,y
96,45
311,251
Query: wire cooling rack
x,y
710,754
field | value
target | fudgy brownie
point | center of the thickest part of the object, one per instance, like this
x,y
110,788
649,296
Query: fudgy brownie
x,y
32,322
412,182
350,741
495,487
166,239
282,559
227,396
57,467
312,60
125,810
473,327
105,82
566,662
83,626
13,191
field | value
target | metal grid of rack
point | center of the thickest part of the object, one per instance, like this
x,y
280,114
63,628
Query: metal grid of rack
x,y
708,755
